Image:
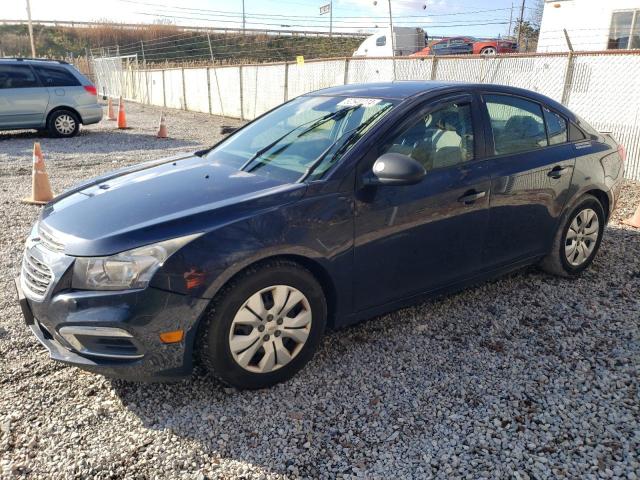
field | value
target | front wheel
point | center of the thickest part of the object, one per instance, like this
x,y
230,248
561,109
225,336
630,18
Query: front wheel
x,y
577,240
264,326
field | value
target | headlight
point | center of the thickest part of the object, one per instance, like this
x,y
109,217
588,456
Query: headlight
x,y
131,269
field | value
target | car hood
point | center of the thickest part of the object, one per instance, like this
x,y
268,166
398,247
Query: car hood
x,y
156,201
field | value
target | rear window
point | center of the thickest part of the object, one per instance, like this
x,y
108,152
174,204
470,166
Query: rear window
x,y
56,76
17,76
556,127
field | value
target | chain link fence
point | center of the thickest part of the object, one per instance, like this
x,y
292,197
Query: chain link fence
x,y
600,87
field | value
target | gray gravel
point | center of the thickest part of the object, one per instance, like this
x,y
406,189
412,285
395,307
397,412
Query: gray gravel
x,y
529,376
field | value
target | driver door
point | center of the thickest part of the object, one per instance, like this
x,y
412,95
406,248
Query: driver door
x,y
419,238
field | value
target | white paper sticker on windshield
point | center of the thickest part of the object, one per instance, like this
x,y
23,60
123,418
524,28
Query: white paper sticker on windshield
x,y
354,101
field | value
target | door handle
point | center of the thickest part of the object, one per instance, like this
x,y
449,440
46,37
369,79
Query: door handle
x,y
471,196
557,171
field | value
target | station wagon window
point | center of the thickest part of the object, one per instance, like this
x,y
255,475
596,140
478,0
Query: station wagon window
x,y
381,41
556,127
517,124
56,76
17,76
441,138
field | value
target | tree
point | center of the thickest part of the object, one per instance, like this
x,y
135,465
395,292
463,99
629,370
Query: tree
x,y
529,38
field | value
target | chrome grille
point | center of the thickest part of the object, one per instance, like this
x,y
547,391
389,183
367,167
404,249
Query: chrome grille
x,y
48,241
36,275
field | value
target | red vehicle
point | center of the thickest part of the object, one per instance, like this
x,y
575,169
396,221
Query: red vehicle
x,y
468,46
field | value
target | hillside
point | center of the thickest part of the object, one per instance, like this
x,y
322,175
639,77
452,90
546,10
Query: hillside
x,y
162,43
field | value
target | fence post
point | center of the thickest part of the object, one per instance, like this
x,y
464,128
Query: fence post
x,y
164,91
144,60
184,91
346,70
241,95
286,81
434,66
209,90
568,77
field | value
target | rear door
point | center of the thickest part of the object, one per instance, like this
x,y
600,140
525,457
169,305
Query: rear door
x,y
23,101
532,164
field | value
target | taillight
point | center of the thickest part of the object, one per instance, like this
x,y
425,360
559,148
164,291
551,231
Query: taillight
x,y
91,89
622,152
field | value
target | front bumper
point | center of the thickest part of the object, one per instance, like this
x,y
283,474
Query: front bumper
x,y
143,314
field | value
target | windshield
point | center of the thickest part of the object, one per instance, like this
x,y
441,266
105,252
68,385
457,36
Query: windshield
x,y
301,139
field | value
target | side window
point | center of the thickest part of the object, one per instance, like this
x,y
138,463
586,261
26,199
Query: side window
x,y
381,41
17,76
556,127
440,45
575,134
517,124
441,138
56,76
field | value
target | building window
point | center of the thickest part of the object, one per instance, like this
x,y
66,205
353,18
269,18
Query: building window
x,y
625,30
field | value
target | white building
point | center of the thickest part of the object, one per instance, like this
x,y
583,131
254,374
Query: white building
x,y
591,25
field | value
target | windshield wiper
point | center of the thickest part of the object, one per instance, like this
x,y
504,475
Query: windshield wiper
x,y
345,139
314,124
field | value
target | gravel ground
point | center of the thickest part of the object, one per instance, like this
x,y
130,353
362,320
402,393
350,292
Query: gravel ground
x,y
529,376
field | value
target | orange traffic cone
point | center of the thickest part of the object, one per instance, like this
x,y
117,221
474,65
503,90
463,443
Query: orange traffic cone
x,y
162,131
122,116
40,187
110,114
633,220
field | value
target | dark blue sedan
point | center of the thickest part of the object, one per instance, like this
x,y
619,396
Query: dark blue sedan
x,y
334,207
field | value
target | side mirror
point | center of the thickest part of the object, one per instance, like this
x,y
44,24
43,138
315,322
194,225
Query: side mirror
x,y
395,169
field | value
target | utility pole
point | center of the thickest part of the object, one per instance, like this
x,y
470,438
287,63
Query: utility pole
x,y
331,18
243,19
393,40
33,45
510,20
520,22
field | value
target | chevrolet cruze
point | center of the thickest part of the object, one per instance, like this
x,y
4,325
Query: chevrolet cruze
x,y
337,206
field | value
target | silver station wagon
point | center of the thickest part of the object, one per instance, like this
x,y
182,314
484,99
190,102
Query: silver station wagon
x,y
46,95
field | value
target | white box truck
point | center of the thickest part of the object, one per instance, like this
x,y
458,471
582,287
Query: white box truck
x,y
408,40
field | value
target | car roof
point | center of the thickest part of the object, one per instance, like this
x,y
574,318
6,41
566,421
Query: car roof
x,y
407,89
397,90
32,60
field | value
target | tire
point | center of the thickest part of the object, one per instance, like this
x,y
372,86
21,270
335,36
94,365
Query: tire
x,y
222,346
63,124
488,51
562,259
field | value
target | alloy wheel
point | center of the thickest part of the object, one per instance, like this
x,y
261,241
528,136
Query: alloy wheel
x,y
582,237
270,328
65,124
489,51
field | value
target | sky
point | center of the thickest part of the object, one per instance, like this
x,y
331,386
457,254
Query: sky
x,y
487,18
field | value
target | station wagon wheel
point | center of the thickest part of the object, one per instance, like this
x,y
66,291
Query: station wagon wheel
x,y
578,238
63,123
264,325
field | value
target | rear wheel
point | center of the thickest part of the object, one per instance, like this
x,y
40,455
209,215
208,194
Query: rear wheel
x,y
63,123
488,51
264,326
577,240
